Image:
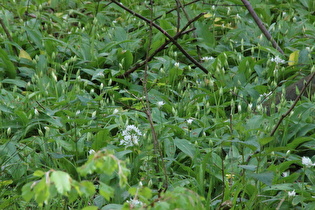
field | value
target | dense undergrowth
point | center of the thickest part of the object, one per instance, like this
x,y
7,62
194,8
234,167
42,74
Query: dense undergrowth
x,y
96,114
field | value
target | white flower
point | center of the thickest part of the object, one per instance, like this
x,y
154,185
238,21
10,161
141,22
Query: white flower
x,y
285,174
291,193
115,111
189,121
131,136
91,151
176,64
277,60
160,103
307,162
135,203
36,112
207,58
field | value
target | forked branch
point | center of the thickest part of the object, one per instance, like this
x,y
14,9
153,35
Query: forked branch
x,y
165,33
261,25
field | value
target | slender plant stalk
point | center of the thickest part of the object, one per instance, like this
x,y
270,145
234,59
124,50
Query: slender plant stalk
x,y
156,144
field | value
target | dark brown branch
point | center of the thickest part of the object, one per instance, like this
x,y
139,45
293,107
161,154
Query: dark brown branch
x,y
149,58
182,32
178,5
8,35
308,82
261,25
165,33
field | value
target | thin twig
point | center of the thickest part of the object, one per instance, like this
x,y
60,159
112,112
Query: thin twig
x,y
8,35
261,25
165,33
178,15
179,34
156,143
294,104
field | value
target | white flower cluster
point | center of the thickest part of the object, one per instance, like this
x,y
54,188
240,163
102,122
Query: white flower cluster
x,y
135,203
277,60
207,58
190,120
131,136
160,103
307,162
291,193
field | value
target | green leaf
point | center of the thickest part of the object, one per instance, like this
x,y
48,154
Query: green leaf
x,y
90,208
86,188
101,139
298,199
62,181
266,140
169,147
294,58
39,173
248,167
265,178
186,147
7,65
19,83
298,141
287,186
41,191
167,26
106,191
27,192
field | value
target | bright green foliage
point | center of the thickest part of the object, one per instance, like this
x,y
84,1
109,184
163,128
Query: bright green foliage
x,y
105,162
79,79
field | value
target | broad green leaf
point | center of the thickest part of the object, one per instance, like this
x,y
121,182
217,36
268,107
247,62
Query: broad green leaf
x,y
39,173
286,186
17,82
266,140
62,181
294,58
169,147
167,26
101,139
186,147
24,54
265,178
41,191
7,65
106,191
297,199
248,167
90,208
87,188
298,141
27,192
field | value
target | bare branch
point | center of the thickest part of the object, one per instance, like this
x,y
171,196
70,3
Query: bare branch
x,y
166,34
8,35
308,82
179,34
261,25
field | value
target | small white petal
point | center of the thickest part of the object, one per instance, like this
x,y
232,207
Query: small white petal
x,y
291,193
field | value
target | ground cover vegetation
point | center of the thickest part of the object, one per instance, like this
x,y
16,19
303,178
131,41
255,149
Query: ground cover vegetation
x,y
156,104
